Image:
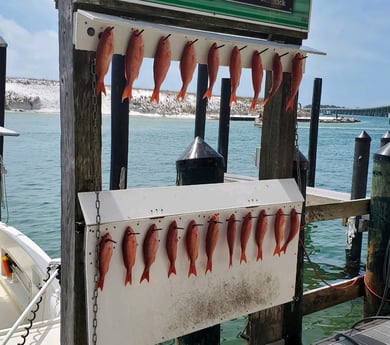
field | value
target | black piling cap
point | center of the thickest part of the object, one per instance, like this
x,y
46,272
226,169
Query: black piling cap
x,y
199,164
363,136
385,138
383,154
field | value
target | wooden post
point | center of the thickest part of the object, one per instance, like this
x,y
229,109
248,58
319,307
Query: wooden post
x,y
276,161
358,191
80,170
313,136
3,72
224,120
119,125
201,104
378,236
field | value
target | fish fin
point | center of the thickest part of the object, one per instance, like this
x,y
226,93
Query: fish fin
x,y
253,104
128,278
172,269
259,255
182,93
155,96
100,283
233,98
192,270
207,94
209,266
127,93
145,275
277,250
243,257
100,87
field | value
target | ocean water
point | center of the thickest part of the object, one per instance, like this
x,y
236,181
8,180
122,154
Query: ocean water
x,y
32,183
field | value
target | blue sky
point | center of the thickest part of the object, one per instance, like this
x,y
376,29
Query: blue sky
x,y
354,34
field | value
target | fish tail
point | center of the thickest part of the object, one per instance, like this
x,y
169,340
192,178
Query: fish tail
x,y
155,96
127,93
284,248
277,250
192,270
230,261
259,255
233,98
207,94
100,87
100,283
181,93
290,104
253,104
172,269
243,257
128,278
145,275
265,101
209,266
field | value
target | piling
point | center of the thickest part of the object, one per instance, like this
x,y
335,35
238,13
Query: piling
x,y
201,104
293,315
119,125
200,164
313,135
3,61
377,267
358,191
385,138
224,120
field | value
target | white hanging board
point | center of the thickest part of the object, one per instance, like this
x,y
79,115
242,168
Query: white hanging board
x,y
165,308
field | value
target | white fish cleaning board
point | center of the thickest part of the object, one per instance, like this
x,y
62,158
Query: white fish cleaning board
x,y
165,308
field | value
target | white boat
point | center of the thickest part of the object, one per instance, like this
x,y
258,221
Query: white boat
x,y
29,288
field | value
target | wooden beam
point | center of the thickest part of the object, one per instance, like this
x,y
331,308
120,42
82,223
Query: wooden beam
x,y
336,210
80,171
326,297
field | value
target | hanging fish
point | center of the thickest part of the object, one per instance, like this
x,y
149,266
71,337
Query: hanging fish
x,y
257,77
261,229
211,240
277,77
133,62
192,245
279,224
162,61
245,233
235,73
149,247
212,67
129,249
104,52
294,229
171,246
105,253
231,236
296,77
187,67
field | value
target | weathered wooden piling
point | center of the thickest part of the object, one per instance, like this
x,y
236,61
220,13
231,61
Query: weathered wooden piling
x,y
358,191
224,120
200,164
378,237
313,135
119,125
201,104
3,63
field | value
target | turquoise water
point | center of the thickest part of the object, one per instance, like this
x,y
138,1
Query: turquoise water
x,y
32,161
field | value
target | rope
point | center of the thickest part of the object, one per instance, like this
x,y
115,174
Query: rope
x,y
373,292
319,276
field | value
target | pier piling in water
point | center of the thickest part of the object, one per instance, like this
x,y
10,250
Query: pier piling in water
x,y
224,120
358,191
201,104
377,267
3,60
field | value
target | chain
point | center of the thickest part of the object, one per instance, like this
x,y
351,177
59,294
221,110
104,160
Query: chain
x,y
96,276
97,202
